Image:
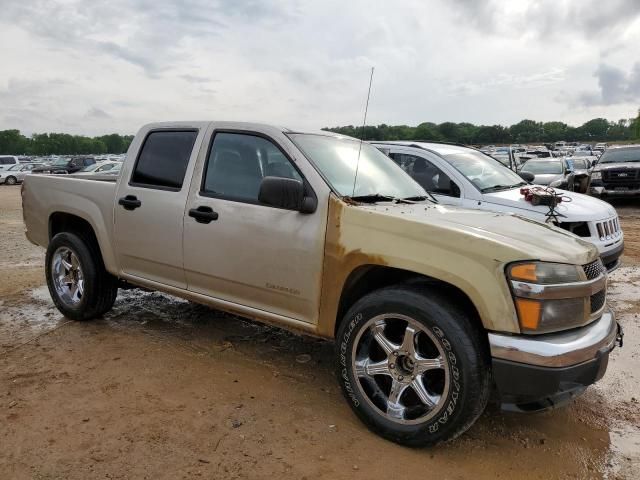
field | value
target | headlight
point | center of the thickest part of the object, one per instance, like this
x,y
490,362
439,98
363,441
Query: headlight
x,y
556,183
596,176
555,296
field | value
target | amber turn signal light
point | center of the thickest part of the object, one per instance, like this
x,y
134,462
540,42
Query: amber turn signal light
x,y
528,313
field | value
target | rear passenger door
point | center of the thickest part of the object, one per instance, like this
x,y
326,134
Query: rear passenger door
x,y
150,202
244,252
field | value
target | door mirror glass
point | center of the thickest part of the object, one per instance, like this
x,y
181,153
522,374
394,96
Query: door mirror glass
x,y
282,192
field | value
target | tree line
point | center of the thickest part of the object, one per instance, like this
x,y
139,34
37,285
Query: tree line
x,y
12,142
525,131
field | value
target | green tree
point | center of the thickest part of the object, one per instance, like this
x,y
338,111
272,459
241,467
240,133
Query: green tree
x,y
13,142
595,129
527,131
554,131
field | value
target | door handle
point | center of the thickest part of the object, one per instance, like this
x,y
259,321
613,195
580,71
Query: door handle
x,y
203,214
130,202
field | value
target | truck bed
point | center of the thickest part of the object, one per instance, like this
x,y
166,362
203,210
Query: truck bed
x,y
88,197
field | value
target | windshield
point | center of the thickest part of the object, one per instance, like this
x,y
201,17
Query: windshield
x,y
541,168
621,155
336,159
483,171
582,153
579,164
90,168
16,167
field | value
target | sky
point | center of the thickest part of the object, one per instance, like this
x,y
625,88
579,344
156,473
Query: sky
x,y
95,67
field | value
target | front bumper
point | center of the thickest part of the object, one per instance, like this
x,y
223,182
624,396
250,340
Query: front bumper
x,y
610,258
601,191
537,373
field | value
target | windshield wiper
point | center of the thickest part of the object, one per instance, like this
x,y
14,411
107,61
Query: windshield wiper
x,y
421,198
497,188
378,197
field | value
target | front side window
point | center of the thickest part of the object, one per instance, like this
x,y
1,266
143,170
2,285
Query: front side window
x,y
237,164
163,160
428,176
336,158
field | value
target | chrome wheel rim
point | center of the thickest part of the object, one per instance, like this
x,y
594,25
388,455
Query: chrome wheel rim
x,y
11,181
401,368
68,279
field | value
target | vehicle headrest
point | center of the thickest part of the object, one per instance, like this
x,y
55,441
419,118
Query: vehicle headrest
x,y
419,165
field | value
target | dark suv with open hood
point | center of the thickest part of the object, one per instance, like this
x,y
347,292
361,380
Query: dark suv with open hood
x,y
617,173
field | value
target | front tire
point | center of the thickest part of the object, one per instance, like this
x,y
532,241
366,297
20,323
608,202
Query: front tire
x,y
412,365
11,180
79,285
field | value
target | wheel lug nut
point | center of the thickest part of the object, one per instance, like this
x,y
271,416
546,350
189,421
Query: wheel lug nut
x,y
395,354
400,378
392,366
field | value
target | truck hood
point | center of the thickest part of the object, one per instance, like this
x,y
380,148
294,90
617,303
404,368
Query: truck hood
x,y
516,237
610,166
581,208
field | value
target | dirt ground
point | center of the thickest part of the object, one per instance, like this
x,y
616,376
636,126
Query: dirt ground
x,y
162,388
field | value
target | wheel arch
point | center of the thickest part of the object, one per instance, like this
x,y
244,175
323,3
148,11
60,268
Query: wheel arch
x,y
368,278
68,222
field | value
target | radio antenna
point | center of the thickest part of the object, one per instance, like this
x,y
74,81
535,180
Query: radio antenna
x,y
364,122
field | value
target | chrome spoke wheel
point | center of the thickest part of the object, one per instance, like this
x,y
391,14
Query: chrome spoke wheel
x,y
68,279
401,368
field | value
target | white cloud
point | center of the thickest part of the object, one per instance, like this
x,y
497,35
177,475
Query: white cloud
x,y
306,64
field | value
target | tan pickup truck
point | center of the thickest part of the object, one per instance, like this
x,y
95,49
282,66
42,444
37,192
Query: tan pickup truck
x,y
432,307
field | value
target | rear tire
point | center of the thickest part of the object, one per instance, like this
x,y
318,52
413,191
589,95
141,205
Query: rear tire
x,y
412,365
79,285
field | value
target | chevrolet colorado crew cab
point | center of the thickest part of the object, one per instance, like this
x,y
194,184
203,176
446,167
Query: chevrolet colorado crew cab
x,y
432,307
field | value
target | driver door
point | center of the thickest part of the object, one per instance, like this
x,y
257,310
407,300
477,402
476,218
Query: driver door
x,y
430,176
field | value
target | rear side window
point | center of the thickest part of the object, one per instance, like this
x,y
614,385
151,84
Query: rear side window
x,y
163,160
7,161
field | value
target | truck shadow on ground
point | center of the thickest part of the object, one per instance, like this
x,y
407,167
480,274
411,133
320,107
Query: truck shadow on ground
x,y
204,331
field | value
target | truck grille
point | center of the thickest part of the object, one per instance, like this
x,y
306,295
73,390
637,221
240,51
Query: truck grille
x,y
609,229
594,269
621,178
597,300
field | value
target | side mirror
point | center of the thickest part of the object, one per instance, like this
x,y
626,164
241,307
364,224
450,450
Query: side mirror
x,y
286,193
527,176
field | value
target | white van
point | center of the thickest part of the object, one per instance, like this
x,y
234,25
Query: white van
x,y
7,161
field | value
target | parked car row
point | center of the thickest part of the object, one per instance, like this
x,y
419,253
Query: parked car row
x,y
13,171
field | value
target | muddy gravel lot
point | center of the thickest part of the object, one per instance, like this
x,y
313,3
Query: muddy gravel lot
x,y
163,388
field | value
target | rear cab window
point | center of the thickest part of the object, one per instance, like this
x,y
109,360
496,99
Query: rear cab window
x,y
163,159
